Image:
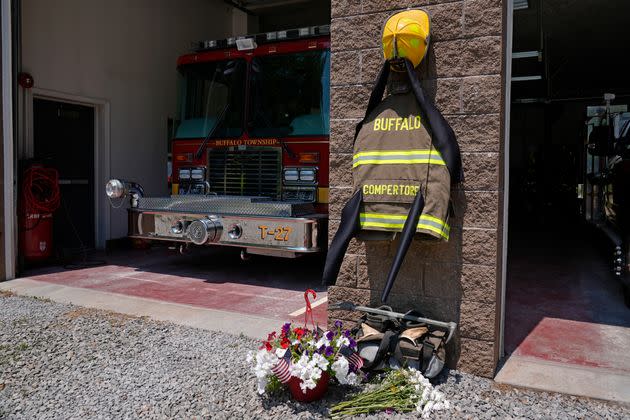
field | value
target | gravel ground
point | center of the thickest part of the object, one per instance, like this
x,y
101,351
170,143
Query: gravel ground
x,y
62,361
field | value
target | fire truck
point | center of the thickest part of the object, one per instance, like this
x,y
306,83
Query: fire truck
x,y
250,150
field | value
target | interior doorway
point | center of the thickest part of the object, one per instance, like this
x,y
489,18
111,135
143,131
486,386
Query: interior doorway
x,y
63,138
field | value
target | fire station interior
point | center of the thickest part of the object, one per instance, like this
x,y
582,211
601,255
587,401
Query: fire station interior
x,y
61,132
568,186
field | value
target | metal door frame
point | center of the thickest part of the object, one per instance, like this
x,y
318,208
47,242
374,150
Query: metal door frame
x,y
9,203
509,24
101,147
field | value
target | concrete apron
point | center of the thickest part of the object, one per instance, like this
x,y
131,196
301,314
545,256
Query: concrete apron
x,y
567,327
579,358
233,299
208,319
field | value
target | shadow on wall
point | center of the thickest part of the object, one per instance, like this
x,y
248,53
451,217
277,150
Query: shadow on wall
x,y
427,72
429,280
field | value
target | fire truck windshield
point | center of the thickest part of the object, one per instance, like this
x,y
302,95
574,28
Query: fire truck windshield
x,y
205,90
290,95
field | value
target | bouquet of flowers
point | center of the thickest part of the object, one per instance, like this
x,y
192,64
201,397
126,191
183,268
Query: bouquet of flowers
x,y
308,356
402,390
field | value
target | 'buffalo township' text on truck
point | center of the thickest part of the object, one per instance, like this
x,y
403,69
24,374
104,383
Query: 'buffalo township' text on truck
x,y
250,152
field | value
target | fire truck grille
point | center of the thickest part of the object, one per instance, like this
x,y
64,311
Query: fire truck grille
x,y
255,171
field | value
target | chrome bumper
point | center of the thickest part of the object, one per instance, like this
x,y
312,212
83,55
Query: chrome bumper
x,y
258,224
255,233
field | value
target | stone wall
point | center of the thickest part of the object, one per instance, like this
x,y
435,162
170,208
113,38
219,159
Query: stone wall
x,y
457,280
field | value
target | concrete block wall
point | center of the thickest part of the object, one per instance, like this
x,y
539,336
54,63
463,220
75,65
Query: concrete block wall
x,y
462,72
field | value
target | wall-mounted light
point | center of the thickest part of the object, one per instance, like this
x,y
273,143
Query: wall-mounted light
x,y
244,44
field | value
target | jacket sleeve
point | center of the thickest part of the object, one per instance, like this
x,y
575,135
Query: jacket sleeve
x,y
348,228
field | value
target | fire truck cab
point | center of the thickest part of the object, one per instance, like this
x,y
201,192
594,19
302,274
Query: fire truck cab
x,y
250,150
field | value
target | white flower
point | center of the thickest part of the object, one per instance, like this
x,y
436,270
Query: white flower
x,y
340,368
429,398
308,384
262,368
308,370
322,342
416,377
438,406
262,384
426,394
342,341
353,379
427,409
437,395
320,361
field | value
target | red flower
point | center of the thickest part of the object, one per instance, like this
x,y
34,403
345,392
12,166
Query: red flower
x,y
285,343
299,332
266,345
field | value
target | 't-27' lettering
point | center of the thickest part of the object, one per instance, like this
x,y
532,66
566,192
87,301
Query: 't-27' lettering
x,y
280,233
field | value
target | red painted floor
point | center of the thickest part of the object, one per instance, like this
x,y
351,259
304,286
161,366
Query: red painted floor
x,y
563,304
215,279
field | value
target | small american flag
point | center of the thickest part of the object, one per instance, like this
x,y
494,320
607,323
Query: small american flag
x,y
281,369
356,360
352,356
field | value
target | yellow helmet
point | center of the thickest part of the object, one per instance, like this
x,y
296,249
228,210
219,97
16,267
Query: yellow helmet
x,y
406,35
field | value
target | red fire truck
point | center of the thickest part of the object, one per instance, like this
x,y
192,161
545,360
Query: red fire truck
x,y
250,151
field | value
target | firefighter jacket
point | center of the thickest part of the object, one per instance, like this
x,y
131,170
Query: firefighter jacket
x,y
394,160
405,159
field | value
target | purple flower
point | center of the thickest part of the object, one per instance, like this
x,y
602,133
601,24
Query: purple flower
x,y
338,324
330,335
352,368
353,343
329,351
286,328
389,411
347,333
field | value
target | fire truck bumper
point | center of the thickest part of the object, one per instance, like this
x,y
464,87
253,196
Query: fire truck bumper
x,y
259,225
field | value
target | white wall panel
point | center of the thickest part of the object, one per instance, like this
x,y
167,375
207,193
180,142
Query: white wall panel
x,y
123,51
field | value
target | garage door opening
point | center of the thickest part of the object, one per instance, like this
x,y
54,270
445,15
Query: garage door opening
x,y
564,302
144,91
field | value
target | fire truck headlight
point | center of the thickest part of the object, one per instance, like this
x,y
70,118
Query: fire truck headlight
x,y
115,188
184,173
198,174
307,174
291,174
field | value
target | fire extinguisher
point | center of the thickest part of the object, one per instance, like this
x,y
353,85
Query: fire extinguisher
x,y
39,198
